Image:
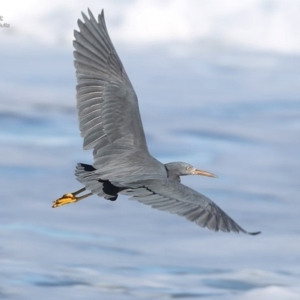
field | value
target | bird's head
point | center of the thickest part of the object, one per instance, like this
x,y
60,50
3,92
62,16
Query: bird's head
x,y
182,168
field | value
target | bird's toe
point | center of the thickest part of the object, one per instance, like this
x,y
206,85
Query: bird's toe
x,y
65,199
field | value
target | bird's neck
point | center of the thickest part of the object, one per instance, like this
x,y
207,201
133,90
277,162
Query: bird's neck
x,y
172,174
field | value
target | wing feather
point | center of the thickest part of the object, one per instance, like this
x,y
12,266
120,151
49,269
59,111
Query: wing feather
x,y
172,196
106,102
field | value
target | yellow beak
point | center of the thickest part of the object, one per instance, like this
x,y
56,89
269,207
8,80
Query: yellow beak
x,y
203,173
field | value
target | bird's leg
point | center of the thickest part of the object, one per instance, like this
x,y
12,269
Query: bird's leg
x,y
70,198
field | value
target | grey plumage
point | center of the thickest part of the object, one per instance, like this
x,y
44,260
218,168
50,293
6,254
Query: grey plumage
x,y
110,124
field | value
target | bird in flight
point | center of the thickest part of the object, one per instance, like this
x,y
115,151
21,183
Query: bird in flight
x,y
111,125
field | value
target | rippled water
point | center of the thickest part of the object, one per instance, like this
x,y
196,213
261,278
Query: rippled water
x,y
240,123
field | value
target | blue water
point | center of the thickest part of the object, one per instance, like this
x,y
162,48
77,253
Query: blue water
x,y
238,122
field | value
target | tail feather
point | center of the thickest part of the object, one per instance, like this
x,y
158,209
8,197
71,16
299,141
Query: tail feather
x,y
86,175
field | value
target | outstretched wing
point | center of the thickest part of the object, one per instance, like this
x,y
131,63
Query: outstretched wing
x,y
106,101
176,198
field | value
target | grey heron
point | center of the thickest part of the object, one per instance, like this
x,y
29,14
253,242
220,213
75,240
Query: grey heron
x,y
110,124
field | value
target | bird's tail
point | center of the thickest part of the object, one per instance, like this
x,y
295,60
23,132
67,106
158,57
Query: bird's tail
x,y
86,175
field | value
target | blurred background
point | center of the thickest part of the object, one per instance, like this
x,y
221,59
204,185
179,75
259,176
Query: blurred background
x,y
219,87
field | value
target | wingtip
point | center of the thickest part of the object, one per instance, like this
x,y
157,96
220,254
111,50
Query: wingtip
x,y
79,23
254,233
83,15
101,17
85,18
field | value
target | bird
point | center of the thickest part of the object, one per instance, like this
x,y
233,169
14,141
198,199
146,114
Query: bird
x,y
111,125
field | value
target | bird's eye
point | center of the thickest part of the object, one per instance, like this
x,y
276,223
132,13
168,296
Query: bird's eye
x,y
188,168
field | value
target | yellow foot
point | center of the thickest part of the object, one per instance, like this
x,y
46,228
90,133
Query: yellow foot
x,y
65,199
70,198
